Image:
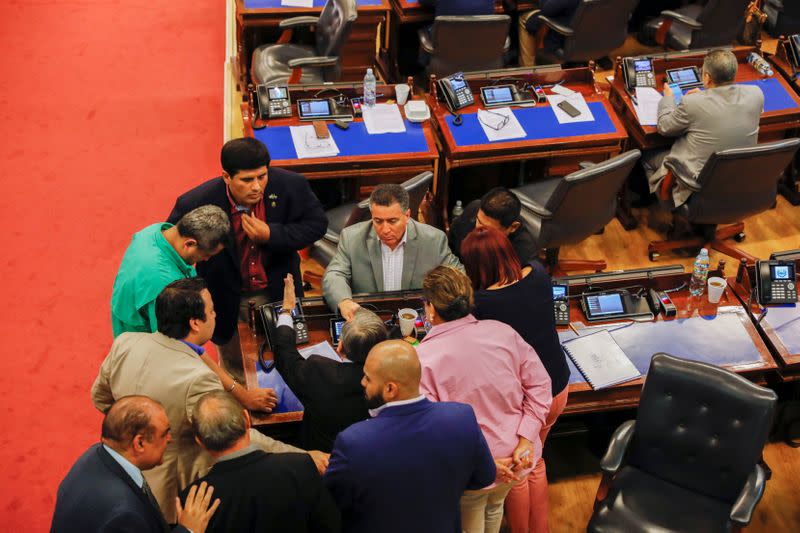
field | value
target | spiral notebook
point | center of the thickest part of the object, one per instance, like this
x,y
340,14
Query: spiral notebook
x,y
600,359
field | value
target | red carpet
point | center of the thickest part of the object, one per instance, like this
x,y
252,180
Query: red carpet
x,y
108,110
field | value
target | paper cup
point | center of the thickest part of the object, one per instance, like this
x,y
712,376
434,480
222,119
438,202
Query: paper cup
x,y
401,91
716,286
407,317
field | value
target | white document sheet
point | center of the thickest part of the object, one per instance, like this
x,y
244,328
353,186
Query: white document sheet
x,y
297,3
563,91
577,101
307,145
383,118
490,121
646,105
323,349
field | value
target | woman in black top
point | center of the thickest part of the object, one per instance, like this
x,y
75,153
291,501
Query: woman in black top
x,y
523,299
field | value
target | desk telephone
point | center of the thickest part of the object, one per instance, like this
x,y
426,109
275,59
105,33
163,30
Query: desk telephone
x,y
456,91
269,316
274,102
776,282
638,72
560,305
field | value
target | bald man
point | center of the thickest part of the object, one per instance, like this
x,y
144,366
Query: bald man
x,y
406,468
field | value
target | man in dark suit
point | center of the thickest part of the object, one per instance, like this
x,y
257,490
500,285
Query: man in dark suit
x,y
260,491
407,467
499,209
330,390
105,489
273,213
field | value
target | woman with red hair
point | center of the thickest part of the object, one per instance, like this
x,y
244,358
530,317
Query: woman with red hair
x,y
522,297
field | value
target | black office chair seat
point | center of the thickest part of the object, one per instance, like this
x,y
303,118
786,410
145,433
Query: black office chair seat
x,y
640,502
534,197
271,63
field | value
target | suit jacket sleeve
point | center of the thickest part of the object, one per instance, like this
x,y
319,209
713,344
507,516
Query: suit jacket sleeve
x,y
289,362
336,281
306,221
128,522
101,389
673,120
446,257
178,211
324,515
339,477
485,470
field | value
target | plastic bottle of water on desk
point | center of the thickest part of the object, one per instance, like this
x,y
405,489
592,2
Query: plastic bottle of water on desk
x,y
458,210
760,64
369,88
700,273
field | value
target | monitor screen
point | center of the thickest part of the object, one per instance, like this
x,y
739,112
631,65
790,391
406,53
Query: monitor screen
x,y
559,292
457,83
683,76
642,65
496,95
604,304
278,93
782,272
314,108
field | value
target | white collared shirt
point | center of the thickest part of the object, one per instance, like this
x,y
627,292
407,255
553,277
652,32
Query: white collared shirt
x,y
392,261
374,412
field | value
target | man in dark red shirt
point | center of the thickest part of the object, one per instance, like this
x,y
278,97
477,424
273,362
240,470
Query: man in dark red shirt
x,y
273,214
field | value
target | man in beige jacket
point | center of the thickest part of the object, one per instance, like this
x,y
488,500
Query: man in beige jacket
x,y
166,366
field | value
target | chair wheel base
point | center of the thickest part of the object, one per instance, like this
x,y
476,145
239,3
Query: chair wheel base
x,y
739,237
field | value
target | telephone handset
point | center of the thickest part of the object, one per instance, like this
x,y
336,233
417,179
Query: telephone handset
x,y
776,282
560,305
456,91
638,72
269,316
274,102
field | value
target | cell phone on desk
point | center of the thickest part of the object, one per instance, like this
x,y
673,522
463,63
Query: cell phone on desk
x,y
336,325
569,109
776,282
269,317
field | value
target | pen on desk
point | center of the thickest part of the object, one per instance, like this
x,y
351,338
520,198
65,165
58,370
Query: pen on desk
x,y
573,329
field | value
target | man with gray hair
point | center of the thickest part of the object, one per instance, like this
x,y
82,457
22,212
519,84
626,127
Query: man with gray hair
x,y
391,252
330,390
259,491
725,115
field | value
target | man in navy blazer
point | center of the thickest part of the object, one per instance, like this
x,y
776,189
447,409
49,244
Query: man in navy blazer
x,y
273,214
406,468
105,490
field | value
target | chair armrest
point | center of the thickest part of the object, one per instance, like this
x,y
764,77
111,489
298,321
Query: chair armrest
x,y
689,182
683,19
745,504
553,25
298,22
586,164
425,40
612,460
537,208
316,61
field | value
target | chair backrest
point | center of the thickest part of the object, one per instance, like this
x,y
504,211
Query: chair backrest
x,y
333,29
582,203
600,26
700,426
416,188
468,43
740,182
722,21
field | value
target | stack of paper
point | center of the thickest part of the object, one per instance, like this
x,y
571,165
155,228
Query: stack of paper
x,y
646,105
297,3
500,124
307,145
383,118
600,359
322,349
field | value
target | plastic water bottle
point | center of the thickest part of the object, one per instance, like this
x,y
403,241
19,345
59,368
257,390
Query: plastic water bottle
x,y
760,64
458,210
700,273
369,88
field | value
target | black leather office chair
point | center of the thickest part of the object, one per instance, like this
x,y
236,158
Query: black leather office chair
x,y
596,28
465,43
283,62
734,184
345,215
783,17
689,462
715,23
567,210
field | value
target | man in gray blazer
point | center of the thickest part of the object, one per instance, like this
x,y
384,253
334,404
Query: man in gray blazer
x,y
388,253
166,367
722,116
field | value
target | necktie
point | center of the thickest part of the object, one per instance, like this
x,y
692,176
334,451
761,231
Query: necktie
x,y
152,499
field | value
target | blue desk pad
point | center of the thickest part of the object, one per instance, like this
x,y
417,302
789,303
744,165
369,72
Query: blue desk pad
x,y
785,320
720,340
287,401
776,98
538,123
262,4
353,141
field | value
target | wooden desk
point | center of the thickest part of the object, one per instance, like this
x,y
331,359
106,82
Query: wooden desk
x,y
363,171
583,399
561,154
257,26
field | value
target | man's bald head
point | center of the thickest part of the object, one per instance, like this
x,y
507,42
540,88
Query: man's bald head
x,y
391,373
130,416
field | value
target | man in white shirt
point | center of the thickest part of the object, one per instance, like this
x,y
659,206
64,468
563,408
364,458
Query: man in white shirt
x,y
391,252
